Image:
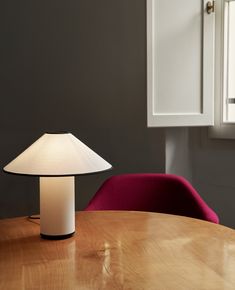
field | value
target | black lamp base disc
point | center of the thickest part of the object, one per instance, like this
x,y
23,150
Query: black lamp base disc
x,y
56,237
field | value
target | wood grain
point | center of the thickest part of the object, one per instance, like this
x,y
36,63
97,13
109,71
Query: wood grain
x,y
119,250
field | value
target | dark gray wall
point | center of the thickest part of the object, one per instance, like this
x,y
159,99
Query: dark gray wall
x,y
80,66
213,172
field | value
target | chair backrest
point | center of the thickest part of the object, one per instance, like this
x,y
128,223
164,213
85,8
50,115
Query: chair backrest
x,y
163,193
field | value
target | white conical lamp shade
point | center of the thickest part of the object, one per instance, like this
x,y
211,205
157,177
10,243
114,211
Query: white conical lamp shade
x,y
57,155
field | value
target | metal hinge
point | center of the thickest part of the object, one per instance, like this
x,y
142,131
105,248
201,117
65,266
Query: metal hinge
x,y
210,7
231,100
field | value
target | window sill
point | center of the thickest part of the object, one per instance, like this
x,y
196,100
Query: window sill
x,y
222,131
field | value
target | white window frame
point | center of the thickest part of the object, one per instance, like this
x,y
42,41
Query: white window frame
x,y
221,129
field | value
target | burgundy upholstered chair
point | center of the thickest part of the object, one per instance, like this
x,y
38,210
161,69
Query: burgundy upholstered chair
x,y
164,193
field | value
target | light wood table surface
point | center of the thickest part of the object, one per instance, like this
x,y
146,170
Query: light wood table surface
x,y
119,250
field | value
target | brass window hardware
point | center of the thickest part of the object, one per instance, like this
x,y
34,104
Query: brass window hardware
x,y
210,7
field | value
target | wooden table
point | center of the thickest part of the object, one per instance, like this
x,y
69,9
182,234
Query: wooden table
x,y
119,250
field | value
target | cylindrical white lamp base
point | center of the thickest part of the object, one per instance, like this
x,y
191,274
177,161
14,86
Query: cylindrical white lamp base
x,y
57,207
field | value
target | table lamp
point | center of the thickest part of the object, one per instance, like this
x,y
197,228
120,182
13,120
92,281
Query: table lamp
x,y
56,158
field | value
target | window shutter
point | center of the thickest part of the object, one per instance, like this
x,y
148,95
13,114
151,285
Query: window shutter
x,y
180,63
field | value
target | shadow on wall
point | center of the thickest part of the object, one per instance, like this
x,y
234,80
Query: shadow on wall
x,y
213,172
